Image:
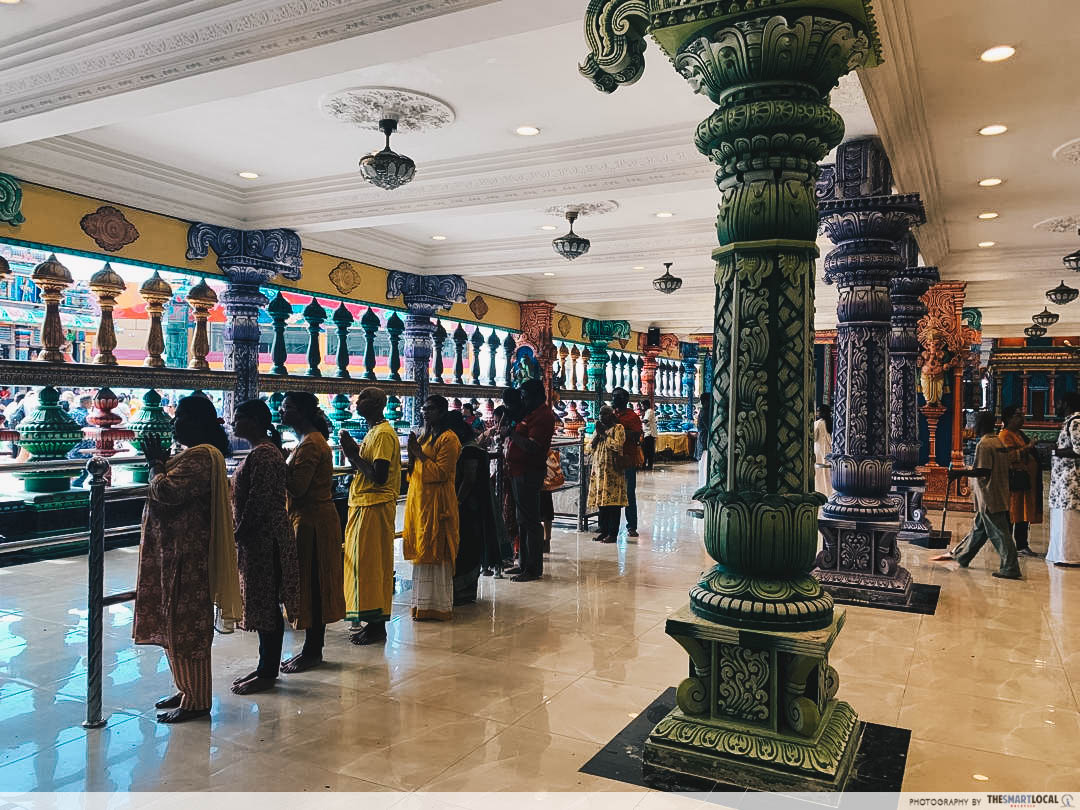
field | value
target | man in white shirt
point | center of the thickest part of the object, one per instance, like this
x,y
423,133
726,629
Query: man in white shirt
x,y
648,443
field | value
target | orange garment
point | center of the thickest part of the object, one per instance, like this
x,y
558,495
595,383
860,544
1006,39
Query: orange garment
x,y
1024,507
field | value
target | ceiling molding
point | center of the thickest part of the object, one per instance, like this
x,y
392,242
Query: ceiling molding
x,y
188,45
895,97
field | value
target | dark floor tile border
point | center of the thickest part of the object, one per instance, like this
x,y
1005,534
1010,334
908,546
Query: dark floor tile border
x,y
924,599
879,762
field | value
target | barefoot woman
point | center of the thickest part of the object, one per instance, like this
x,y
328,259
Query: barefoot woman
x,y
187,558
265,544
310,484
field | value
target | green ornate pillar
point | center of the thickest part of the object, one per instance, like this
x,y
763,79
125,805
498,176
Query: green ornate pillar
x,y
758,709
600,334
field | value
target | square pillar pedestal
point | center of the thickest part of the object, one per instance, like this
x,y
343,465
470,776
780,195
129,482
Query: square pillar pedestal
x,y
859,562
758,711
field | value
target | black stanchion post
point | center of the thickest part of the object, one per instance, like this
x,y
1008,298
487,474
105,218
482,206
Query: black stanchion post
x,y
583,488
95,602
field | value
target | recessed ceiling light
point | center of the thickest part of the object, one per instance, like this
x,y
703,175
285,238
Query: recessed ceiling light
x,y
549,274
664,214
999,53
987,244
987,182
988,215
978,777
9,2
994,129
638,267
439,237
527,130
245,175
547,227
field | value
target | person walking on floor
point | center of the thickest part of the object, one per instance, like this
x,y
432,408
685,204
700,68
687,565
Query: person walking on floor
x,y
187,556
648,443
431,537
310,487
1065,487
1025,478
526,458
369,533
265,543
990,488
620,400
607,481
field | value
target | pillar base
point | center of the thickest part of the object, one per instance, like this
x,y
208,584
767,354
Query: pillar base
x,y
914,525
759,711
860,562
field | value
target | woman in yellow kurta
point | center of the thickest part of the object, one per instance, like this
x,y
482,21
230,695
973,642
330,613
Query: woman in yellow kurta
x,y
430,540
310,486
607,481
1025,505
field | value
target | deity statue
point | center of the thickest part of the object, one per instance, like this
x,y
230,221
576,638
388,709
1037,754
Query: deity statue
x,y
932,373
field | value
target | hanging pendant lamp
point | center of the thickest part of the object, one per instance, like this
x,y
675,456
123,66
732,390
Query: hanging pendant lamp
x,y
571,246
1035,331
1045,318
1062,294
386,168
667,283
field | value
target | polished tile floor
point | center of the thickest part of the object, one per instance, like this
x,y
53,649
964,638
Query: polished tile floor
x,y
524,687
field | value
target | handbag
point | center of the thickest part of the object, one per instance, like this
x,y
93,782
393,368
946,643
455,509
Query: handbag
x,y
1019,480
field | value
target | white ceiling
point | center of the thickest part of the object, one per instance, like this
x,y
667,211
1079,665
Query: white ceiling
x,y
236,86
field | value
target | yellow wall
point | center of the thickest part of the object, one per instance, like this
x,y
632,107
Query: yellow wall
x,y
53,216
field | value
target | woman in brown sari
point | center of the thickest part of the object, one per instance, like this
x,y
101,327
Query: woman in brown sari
x,y
1025,478
187,558
265,543
310,486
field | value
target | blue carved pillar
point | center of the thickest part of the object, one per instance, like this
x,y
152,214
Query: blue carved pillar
x,y
689,354
860,559
908,485
423,296
600,334
249,259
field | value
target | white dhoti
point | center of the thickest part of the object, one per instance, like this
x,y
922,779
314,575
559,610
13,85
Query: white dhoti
x,y
1064,536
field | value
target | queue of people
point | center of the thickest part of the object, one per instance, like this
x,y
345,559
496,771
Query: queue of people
x,y
269,548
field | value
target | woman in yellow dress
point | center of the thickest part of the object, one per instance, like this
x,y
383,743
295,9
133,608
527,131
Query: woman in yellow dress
x,y
430,540
310,486
607,482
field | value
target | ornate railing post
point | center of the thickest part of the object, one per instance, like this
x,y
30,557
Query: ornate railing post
x,y
249,260
369,322
509,346
477,341
155,291
202,300
493,344
52,278
860,559
106,284
575,358
564,356
342,319
48,434
395,326
315,315
437,359
153,423
906,290
461,338
769,68
424,296
102,424
280,310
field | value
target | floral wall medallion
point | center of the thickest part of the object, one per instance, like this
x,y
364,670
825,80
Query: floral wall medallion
x,y
109,228
479,307
10,200
564,326
345,278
